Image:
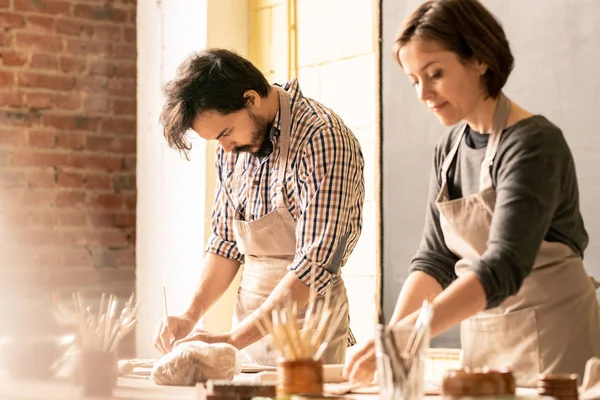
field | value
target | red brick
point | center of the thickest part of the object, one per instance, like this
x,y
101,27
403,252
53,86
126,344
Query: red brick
x,y
132,16
112,239
70,179
129,34
39,100
11,178
70,122
36,23
72,218
73,28
75,141
72,64
12,137
124,145
46,6
89,47
4,3
44,81
126,69
103,68
19,118
69,199
108,163
98,143
44,139
44,61
35,199
37,237
118,126
71,101
11,99
108,201
125,220
99,13
14,58
129,163
107,33
6,158
6,40
7,78
122,87
92,84
131,201
96,104
11,20
40,179
123,182
98,181
114,258
101,219
77,258
43,217
39,42
124,107
126,51
38,159
16,218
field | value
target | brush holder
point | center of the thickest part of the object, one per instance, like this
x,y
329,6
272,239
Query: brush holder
x,y
98,372
299,377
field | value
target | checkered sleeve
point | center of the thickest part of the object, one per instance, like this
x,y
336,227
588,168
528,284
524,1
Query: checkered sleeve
x,y
222,240
331,194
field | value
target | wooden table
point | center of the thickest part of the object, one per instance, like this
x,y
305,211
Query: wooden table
x,y
128,389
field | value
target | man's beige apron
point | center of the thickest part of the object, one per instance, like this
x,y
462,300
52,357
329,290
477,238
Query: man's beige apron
x,y
269,246
552,324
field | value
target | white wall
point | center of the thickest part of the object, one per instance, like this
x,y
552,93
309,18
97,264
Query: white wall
x,y
171,191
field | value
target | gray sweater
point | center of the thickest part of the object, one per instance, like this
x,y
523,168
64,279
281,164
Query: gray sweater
x,y
537,199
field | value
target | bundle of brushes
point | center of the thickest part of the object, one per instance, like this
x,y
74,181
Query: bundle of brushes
x,y
307,339
401,359
103,329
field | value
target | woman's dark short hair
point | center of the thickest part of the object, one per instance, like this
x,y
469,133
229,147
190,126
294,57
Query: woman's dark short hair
x,y
466,28
209,80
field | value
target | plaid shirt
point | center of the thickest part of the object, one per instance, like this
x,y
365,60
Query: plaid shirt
x,y
324,188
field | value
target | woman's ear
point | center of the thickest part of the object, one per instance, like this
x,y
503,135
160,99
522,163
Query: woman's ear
x,y
482,67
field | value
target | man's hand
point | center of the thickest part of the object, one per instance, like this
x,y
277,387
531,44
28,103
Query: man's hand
x,y
361,366
206,337
171,329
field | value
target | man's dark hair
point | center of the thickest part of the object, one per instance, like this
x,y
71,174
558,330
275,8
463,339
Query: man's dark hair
x,y
209,80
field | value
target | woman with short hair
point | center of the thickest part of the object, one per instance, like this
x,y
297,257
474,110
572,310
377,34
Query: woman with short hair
x,y
504,238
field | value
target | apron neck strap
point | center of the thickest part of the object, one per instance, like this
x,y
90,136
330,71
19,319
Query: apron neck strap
x,y
451,154
285,124
500,118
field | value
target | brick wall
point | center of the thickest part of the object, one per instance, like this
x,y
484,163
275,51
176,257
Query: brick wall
x,y
67,148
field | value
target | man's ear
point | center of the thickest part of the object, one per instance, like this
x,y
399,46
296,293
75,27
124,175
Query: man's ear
x,y
253,99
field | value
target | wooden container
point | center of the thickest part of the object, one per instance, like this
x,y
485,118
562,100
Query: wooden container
x,y
559,386
478,382
98,372
299,377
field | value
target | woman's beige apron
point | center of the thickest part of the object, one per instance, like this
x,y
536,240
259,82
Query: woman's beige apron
x,y
552,324
269,247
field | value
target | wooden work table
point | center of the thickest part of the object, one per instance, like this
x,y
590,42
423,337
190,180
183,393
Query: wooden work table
x,y
128,389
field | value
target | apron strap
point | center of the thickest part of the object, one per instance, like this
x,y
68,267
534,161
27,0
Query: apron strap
x,y
500,117
284,146
233,193
450,156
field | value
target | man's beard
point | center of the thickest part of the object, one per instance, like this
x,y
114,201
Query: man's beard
x,y
260,138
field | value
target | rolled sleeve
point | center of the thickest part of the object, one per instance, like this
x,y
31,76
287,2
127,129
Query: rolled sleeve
x,y
331,195
222,240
